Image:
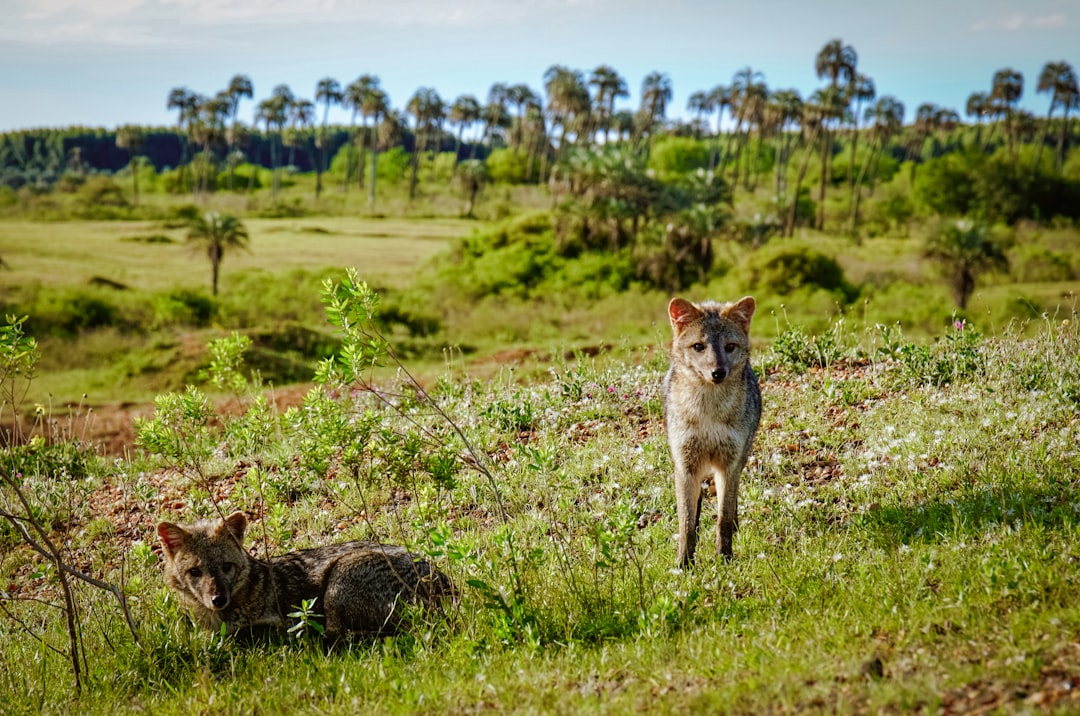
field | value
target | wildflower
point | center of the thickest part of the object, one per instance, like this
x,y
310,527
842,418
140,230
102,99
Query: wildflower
x,y
958,325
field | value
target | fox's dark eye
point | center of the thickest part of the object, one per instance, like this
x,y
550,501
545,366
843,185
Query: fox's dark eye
x,y
194,572
699,347
228,568
730,347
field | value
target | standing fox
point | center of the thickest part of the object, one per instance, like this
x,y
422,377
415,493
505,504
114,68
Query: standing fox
x,y
359,586
712,406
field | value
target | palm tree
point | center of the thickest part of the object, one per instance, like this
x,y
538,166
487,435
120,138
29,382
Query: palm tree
x,y
217,232
978,106
1059,79
747,87
356,94
887,119
130,137
472,174
495,113
810,130
327,91
568,103
656,92
964,250
1008,87
835,61
701,105
207,129
301,120
786,109
861,89
521,96
609,87
376,104
239,87
926,119
428,112
720,99
464,112
185,102
274,111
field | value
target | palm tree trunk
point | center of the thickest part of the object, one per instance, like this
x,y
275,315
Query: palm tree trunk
x,y
789,230
857,196
826,145
1062,139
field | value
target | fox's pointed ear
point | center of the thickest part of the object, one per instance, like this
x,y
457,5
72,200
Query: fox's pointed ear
x,y
682,313
741,312
172,537
235,524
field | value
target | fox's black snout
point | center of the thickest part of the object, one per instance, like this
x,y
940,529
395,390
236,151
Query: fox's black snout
x,y
719,374
220,601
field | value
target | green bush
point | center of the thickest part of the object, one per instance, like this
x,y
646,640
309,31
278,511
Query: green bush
x,y
183,307
66,313
787,267
1030,264
678,155
393,165
508,166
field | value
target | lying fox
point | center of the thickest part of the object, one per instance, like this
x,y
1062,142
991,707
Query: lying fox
x,y
359,587
712,406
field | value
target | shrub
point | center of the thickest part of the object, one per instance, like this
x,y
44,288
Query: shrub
x,y
678,155
787,267
1030,264
183,307
393,165
507,166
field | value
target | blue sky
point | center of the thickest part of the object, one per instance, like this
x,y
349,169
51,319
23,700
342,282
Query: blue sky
x,y
104,63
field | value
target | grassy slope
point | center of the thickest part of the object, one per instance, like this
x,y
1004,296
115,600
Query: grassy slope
x,y
903,547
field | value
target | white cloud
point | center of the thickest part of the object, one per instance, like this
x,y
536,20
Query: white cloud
x,y
1014,22
181,22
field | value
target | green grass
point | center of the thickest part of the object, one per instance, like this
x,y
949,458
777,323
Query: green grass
x,y
907,542
74,252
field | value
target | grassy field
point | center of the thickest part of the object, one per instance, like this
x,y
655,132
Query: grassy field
x,y
907,544
908,518
147,255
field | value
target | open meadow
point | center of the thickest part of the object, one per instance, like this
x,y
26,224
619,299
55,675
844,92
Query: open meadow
x,y
907,540
486,391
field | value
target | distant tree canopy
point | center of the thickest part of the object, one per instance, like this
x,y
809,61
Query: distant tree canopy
x,y
844,137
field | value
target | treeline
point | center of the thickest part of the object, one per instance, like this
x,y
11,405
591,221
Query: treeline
x,y
574,109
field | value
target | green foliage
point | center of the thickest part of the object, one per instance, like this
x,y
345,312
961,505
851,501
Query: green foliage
x,y
67,312
183,307
226,357
798,351
964,250
393,165
1029,264
956,357
507,166
783,268
995,188
678,155
180,431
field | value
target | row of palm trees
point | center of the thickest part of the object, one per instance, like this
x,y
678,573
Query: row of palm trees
x,y
579,110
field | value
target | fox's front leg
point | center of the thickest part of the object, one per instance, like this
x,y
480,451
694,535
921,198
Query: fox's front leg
x,y
727,514
688,507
